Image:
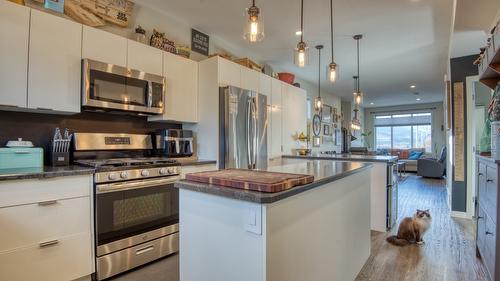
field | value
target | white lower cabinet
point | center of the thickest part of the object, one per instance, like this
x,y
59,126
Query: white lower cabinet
x,y
46,229
60,259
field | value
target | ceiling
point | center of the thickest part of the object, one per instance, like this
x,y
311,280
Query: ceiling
x,y
473,21
405,41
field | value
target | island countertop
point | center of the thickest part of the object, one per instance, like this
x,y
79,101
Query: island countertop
x,y
324,171
347,157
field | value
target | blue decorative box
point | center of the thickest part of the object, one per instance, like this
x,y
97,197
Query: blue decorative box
x,y
21,157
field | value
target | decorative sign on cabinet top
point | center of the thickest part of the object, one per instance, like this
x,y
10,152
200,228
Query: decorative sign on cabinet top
x,y
199,42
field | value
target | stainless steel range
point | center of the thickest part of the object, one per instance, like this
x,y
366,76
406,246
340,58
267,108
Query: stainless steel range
x,y
135,202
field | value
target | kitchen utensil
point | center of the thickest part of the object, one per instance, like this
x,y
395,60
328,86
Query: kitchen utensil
x,y
255,180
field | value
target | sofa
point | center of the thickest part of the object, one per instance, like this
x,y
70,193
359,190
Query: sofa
x,y
432,168
404,154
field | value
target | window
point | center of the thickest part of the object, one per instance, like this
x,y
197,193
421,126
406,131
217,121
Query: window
x,y
404,131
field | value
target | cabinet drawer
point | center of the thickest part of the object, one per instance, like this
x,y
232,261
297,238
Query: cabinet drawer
x,y
27,225
490,247
21,192
491,192
69,259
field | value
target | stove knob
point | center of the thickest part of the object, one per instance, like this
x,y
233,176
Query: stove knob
x,y
124,175
171,171
163,171
112,177
144,173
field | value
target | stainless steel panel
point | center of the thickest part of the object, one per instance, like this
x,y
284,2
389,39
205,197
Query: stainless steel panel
x,y
121,261
104,177
94,141
261,131
120,186
137,239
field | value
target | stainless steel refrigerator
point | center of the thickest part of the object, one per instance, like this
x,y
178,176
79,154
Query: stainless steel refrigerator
x,y
242,129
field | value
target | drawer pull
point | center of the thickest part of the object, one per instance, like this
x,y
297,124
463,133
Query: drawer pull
x,y
47,203
144,250
489,233
480,174
21,152
489,180
479,217
49,243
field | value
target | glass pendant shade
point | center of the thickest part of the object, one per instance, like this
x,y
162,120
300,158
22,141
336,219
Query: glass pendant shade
x,y
358,98
301,56
332,72
254,27
355,125
318,104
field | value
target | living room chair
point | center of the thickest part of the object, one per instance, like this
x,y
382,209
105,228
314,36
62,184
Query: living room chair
x,y
432,168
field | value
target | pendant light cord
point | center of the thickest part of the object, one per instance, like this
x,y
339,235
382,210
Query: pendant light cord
x,y
301,20
357,43
253,3
319,73
331,25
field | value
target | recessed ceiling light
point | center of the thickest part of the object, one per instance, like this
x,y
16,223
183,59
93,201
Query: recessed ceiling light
x,y
413,86
298,32
372,103
418,99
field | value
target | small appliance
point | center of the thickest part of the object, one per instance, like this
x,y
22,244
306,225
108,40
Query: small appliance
x,y
136,205
175,143
109,87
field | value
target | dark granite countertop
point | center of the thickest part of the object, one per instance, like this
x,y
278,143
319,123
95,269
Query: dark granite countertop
x,y
324,171
44,172
347,157
195,162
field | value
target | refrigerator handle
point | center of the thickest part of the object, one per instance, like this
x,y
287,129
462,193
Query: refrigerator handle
x,y
255,135
249,142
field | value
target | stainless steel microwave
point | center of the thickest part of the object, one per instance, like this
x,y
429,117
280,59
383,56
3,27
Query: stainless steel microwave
x,y
108,87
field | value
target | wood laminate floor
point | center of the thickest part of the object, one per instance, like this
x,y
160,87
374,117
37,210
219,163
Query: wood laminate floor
x,y
448,253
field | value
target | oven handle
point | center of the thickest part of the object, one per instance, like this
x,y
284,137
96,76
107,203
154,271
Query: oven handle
x,y
119,186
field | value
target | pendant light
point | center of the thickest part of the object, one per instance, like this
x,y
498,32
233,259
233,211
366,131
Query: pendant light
x,y
355,123
358,95
254,28
301,55
318,102
332,67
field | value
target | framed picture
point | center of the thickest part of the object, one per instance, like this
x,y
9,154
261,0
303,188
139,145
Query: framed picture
x,y
316,125
326,114
327,130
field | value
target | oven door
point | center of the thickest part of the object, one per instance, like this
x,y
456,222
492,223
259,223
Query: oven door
x,y
127,209
112,87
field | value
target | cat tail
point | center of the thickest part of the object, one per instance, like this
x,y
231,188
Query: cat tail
x,y
394,240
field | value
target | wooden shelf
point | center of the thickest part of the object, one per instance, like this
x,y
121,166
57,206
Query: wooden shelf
x,y
489,70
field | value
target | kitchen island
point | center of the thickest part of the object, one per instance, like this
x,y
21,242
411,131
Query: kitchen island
x,y
319,231
384,185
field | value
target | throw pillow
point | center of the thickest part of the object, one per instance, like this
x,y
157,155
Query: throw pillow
x,y
415,155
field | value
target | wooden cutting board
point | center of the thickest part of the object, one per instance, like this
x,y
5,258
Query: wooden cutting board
x,y
262,181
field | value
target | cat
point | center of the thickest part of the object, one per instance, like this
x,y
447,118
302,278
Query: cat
x,y
411,230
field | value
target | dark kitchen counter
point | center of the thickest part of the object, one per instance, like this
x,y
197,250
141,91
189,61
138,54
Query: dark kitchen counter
x,y
194,162
347,157
324,171
44,173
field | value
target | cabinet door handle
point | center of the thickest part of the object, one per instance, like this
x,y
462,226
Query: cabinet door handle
x,y
480,174
49,243
489,180
489,233
47,203
479,217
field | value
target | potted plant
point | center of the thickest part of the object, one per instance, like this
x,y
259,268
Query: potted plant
x,y
366,138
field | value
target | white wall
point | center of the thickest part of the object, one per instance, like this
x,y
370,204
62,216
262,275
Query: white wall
x,y
438,134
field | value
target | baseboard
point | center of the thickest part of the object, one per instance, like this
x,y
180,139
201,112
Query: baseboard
x,y
462,215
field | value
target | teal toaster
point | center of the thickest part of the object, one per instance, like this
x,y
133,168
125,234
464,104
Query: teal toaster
x,y
21,157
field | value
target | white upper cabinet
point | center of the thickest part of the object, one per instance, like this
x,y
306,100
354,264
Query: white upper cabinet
x,y
229,73
181,102
265,86
55,54
294,117
145,58
104,46
14,31
275,129
249,79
